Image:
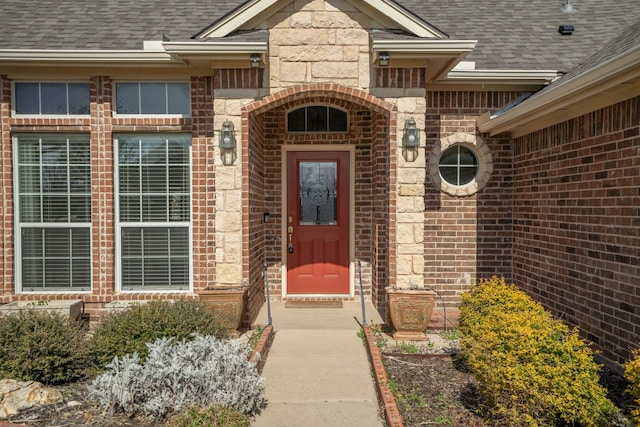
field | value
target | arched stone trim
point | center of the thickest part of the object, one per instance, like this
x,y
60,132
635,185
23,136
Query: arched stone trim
x,y
485,164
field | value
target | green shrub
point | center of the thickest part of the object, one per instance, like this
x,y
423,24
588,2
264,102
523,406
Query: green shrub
x,y
531,369
632,373
41,346
213,416
129,330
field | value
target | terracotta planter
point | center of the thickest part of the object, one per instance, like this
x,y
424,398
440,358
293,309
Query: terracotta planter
x,y
226,304
410,311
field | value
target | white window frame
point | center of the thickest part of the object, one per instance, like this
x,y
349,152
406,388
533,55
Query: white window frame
x,y
119,225
14,100
18,225
114,105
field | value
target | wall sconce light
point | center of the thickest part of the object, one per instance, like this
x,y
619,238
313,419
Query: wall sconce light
x,y
227,143
410,140
383,59
254,59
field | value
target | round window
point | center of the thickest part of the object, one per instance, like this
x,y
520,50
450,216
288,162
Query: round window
x,y
458,165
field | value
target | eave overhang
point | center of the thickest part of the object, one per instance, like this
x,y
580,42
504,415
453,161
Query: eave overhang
x,y
608,83
158,54
438,56
524,77
34,56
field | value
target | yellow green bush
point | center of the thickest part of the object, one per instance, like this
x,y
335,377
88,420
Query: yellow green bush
x,y
632,373
531,369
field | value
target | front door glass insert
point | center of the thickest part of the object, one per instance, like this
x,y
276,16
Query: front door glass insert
x,y
318,193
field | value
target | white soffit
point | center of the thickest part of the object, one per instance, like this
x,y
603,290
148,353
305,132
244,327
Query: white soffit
x,y
610,82
85,56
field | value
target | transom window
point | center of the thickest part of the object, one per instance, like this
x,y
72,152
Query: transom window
x,y
52,98
458,165
154,212
153,98
54,212
317,118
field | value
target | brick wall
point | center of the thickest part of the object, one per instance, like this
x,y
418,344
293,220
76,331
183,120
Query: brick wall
x,y
369,132
577,223
6,191
393,78
467,237
102,126
203,189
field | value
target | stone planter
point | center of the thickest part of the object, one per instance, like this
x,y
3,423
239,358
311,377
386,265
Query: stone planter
x,y
410,311
227,304
68,308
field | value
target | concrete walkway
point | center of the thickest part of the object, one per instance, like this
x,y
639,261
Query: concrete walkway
x,y
317,372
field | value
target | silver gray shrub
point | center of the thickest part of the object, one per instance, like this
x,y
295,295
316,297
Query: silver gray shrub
x,y
177,375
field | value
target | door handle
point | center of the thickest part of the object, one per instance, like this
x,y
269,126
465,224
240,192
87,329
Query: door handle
x,y
290,245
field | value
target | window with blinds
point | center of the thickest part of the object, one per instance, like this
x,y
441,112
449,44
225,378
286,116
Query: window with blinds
x,y
154,211
54,212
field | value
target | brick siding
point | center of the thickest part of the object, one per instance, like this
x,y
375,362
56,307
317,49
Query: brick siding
x,y
577,223
369,132
470,237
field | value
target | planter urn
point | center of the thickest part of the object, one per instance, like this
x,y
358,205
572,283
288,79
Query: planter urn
x,y
410,312
227,304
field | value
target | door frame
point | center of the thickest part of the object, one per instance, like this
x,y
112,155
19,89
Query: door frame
x,y
283,208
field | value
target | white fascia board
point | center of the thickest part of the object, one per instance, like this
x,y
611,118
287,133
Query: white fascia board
x,y
543,76
212,48
405,20
617,70
438,46
84,56
237,19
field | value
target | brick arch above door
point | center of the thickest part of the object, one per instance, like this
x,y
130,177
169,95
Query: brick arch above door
x,y
317,92
383,130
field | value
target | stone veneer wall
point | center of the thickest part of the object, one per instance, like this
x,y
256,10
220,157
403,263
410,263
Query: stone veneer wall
x,y
467,237
319,41
577,223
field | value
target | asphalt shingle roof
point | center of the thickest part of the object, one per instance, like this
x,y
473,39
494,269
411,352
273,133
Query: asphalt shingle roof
x,y
511,35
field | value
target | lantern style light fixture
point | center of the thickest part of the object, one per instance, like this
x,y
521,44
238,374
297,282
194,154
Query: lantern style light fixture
x,y
227,143
410,140
383,59
254,60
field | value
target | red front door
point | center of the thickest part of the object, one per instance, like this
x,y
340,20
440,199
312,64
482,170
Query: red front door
x,y
317,221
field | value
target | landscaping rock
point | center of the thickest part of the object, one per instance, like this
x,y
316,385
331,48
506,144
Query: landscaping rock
x,y
16,396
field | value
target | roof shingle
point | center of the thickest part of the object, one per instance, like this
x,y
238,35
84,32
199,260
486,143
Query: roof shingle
x,y
511,35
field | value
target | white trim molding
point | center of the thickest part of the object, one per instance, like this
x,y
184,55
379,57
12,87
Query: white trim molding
x,y
606,84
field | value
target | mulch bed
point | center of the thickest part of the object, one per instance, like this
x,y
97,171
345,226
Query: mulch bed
x,y
76,410
434,390
438,390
